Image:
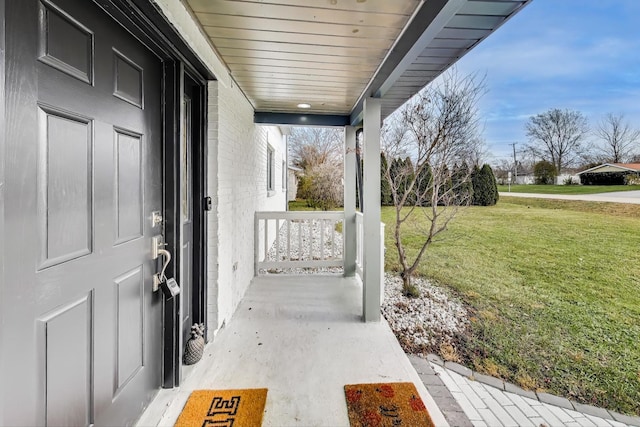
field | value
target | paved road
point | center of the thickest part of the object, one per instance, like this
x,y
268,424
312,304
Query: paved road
x,y
615,197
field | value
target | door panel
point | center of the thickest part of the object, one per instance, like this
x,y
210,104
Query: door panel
x,y
85,174
128,180
68,363
64,193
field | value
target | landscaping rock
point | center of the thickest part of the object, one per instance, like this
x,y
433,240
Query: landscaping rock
x,y
422,324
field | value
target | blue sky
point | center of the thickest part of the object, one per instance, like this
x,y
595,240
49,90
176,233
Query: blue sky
x,y
578,54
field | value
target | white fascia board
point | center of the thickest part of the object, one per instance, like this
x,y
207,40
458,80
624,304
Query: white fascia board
x,y
183,21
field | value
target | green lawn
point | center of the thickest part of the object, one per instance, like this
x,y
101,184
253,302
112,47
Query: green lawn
x,y
301,205
554,292
567,189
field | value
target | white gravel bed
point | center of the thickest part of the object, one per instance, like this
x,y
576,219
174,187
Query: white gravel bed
x,y
422,324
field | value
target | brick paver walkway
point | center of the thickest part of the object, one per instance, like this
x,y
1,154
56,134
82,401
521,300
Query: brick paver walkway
x,y
469,399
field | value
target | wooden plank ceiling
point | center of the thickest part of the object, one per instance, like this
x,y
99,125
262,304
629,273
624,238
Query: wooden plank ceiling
x,y
331,53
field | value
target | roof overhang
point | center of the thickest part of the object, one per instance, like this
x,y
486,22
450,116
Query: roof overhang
x,y
336,53
635,167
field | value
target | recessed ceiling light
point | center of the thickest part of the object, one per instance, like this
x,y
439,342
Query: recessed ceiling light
x,y
304,106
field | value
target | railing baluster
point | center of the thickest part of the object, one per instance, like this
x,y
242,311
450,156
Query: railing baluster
x,y
333,238
288,240
310,228
322,223
277,239
300,240
266,238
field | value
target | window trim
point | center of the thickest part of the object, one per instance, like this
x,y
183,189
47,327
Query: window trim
x,y
271,154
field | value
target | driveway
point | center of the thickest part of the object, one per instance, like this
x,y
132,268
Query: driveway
x,y
615,197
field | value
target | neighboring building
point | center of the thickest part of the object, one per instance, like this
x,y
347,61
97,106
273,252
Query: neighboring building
x,y
525,178
611,173
131,127
613,167
292,182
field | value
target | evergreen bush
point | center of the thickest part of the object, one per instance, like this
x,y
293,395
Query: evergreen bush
x,y
485,187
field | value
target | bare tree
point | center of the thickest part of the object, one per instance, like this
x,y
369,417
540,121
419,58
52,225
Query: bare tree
x,y
618,138
557,136
501,169
429,144
311,146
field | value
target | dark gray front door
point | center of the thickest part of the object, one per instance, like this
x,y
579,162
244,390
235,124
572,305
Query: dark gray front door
x,y
81,325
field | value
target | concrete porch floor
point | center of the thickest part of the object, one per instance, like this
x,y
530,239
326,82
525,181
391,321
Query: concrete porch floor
x,y
302,338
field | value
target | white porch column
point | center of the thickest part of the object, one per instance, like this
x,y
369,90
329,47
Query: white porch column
x,y
349,226
371,211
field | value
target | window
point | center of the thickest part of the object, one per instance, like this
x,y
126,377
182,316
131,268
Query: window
x,y
270,167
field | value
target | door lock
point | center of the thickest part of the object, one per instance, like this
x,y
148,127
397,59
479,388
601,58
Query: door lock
x,y
170,288
156,218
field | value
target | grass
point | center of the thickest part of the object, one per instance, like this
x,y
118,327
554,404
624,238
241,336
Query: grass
x,y
567,189
553,288
301,205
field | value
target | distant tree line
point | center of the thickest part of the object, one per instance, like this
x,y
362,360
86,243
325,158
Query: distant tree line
x,y
562,140
475,186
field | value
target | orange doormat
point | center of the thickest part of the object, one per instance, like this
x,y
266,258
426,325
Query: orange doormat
x,y
386,404
237,408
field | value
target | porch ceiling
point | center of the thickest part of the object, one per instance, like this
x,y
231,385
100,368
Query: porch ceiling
x,y
332,54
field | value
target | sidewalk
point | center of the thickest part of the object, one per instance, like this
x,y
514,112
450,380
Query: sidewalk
x,y
632,197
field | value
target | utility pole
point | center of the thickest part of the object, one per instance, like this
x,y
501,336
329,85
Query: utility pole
x,y
515,161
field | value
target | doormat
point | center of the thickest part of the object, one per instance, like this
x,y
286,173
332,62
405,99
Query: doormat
x,y
237,408
386,404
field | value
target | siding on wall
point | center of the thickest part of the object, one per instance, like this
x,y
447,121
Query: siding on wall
x,y
238,179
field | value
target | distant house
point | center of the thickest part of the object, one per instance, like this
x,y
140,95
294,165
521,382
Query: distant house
x,y
613,167
621,170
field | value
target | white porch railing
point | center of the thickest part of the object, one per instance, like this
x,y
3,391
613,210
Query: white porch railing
x,y
298,239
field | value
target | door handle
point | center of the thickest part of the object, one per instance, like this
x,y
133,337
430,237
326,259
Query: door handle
x,y
167,259
169,286
157,250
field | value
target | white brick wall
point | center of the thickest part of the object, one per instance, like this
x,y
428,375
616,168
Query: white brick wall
x,y
238,183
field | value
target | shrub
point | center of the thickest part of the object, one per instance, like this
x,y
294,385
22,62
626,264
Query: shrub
x,y
485,187
632,179
325,186
544,172
304,187
461,180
